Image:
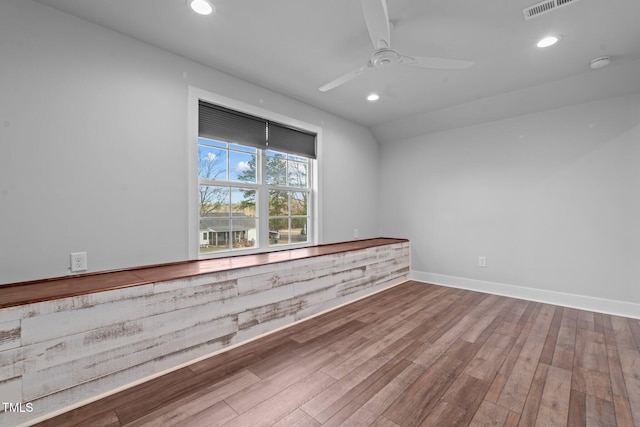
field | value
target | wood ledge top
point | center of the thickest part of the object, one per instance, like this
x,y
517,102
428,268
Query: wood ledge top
x,y
16,294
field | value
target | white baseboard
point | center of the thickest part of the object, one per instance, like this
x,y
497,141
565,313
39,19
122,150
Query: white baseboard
x,y
582,302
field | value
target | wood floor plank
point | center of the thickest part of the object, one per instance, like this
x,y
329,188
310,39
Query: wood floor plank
x,y
411,355
446,414
275,362
554,404
323,328
462,350
466,394
624,417
368,413
394,313
488,360
550,344
577,409
489,414
598,324
586,320
422,395
106,419
341,387
346,363
270,386
432,350
172,383
384,422
634,326
476,330
623,334
507,366
283,403
514,393
591,351
565,344
216,415
513,419
517,308
336,339
366,391
630,361
600,412
593,383
530,313
335,398
489,330
532,404
200,400
297,418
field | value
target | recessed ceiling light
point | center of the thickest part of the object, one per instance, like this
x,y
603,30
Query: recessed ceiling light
x,y
373,97
203,7
548,41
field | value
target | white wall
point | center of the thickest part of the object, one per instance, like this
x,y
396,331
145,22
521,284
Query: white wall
x,y
552,200
93,127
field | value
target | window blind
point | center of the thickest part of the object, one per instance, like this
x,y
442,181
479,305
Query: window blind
x,y
223,124
292,141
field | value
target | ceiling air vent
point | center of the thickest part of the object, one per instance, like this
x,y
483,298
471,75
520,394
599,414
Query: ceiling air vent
x,y
544,7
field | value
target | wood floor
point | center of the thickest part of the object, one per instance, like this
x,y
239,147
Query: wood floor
x,y
413,355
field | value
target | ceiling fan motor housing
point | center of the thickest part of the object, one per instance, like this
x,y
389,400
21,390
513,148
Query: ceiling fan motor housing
x,y
382,57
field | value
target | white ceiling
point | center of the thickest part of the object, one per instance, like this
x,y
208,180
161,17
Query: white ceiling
x,y
295,46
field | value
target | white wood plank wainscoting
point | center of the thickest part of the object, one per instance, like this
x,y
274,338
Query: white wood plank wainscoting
x,y
57,352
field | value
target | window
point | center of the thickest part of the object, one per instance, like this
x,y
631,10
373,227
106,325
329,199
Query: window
x,y
255,181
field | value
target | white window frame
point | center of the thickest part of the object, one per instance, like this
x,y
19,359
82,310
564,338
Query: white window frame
x,y
193,235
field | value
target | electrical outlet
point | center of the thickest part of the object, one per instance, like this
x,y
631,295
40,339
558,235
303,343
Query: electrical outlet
x,y
355,233
78,261
482,261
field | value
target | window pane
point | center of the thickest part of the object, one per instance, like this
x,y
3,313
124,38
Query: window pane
x,y
243,231
297,174
214,201
214,234
243,202
299,202
212,163
299,230
242,167
278,231
278,203
276,171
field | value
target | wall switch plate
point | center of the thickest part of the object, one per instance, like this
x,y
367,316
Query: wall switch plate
x,y
482,261
355,233
78,261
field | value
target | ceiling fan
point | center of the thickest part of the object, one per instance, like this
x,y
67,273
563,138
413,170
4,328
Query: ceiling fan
x,y
377,20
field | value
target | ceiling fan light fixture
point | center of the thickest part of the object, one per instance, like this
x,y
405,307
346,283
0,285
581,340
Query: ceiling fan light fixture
x,y
373,97
202,7
548,41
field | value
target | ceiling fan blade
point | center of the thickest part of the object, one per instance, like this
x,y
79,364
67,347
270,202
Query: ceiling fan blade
x,y
346,77
377,19
436,63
